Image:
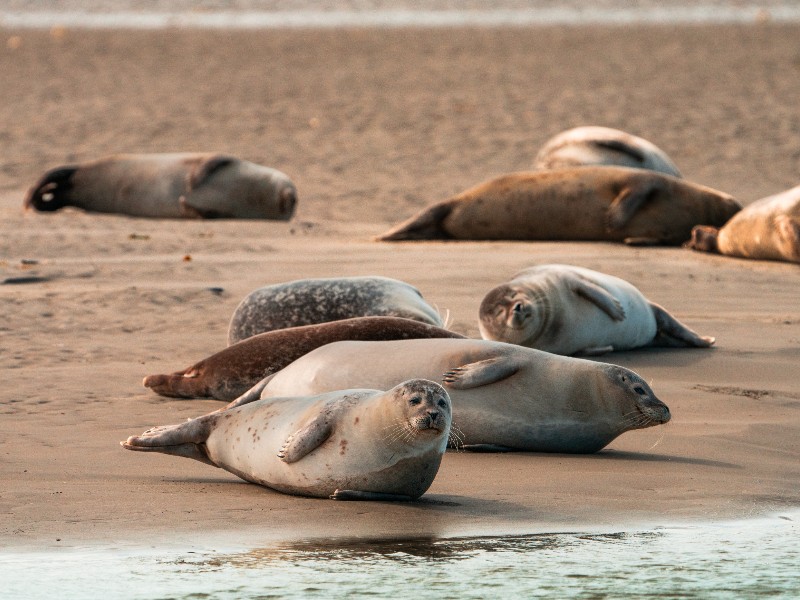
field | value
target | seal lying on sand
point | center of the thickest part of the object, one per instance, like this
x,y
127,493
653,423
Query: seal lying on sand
x,y
585,146
169,186
232,371
767,229
582,203
311,301
504,396
569,310
351,444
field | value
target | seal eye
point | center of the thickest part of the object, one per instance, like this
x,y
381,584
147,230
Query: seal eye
x,y
415,400
442,403
639,390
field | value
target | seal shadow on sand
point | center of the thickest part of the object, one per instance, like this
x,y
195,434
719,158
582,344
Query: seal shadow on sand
x,y
627,455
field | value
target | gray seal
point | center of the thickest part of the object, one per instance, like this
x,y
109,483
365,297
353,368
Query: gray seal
x,y
312,301
195,186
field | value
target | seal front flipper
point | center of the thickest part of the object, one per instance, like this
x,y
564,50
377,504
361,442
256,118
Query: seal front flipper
x,y
309,438
426,225
487,448
673,333
481,373
206,167
598,296
629,200
628,150
51,191
358,495
251,395
185,439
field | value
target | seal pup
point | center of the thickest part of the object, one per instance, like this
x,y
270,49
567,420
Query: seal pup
x,y
570,310
504,396
232,371
614,204
187,185
592,145
767,229
311,301
351,444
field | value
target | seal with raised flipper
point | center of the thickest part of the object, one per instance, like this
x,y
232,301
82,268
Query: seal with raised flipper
x,y
232,371
614,204
571,310
349,444
180,185
767,229
312,301
504,396
593,145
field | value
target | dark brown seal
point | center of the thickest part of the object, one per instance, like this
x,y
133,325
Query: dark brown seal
x,y
232,371
185,185
615,204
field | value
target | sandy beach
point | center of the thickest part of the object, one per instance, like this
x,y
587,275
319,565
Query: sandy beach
x,y
373,125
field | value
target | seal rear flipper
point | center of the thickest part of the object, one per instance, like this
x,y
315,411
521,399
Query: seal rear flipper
x,y
425,225
629,200
307,439
672,333
185,439
51,191
359,495
481,373
599,296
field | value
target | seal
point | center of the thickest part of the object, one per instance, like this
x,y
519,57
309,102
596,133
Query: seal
x,y
767,229
311,301
585,146
351,444
615,204
504,396
232,371
570,310
187,185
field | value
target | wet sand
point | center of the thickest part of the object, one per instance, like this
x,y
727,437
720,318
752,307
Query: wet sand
x,y
372,125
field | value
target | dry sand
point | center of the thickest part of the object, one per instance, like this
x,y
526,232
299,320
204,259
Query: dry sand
x,y
373,125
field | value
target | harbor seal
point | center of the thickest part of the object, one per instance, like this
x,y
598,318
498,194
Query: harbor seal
x,y
311,301
362,444
767,229
168,186
504,396
570,310
232,371
615,204
585,146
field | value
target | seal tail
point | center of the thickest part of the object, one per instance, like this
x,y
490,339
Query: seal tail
x,y
51,191
185,439
183,384
425,225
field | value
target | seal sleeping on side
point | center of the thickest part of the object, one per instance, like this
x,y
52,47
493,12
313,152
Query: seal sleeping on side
x,y
767,229
504,396
351,444
232,371
614,204
585,146
312,301
570,310
204,186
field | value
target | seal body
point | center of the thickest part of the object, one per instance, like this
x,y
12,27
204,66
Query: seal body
x,y
767,229
569,310
368,441
587,146
168,186
615,204
311,301
232,371
503,395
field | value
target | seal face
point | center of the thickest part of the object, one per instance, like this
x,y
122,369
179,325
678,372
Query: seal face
x,y
570,310
182,185
355,443
504,396
232,371
312,301
614,204
593,146
767,229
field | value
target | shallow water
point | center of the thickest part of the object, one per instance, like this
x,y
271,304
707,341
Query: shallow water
x,y
739,559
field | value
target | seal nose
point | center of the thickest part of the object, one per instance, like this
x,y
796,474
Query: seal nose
x,y
433,415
